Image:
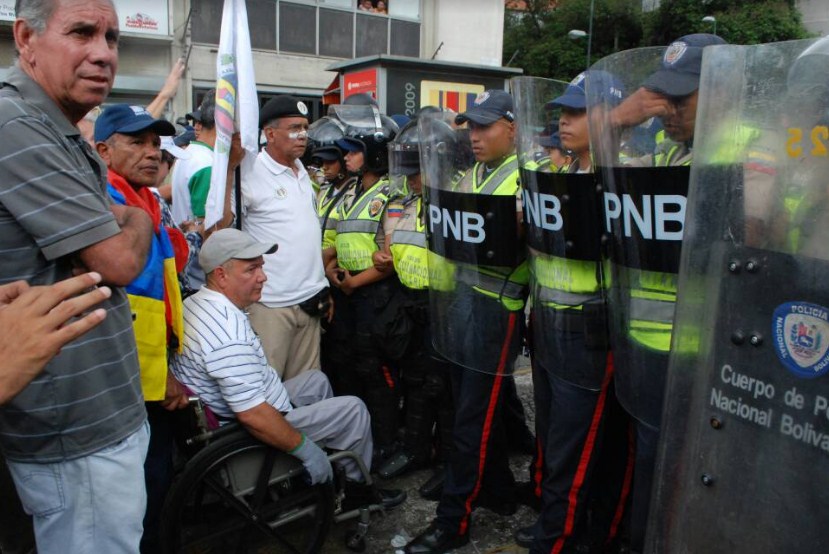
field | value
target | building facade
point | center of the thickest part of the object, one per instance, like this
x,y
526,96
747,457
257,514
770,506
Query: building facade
x,y
293,41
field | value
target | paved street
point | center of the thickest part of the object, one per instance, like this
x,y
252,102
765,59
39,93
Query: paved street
x,y
491,533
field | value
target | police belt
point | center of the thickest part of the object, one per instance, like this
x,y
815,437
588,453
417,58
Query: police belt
x,y
496,285
564,298
647,309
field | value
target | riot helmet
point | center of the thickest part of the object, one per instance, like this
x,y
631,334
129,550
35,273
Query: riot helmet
x,y
366,131
404,160
322,139
360,99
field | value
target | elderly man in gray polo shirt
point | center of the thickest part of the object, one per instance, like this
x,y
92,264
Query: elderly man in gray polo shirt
x,y
76,437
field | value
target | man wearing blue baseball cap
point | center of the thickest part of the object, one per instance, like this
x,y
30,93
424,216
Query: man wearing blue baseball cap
x,y
478,471
642,340
572,373
128,140
669,94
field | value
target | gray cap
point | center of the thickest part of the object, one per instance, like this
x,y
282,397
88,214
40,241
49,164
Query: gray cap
x,y
230,244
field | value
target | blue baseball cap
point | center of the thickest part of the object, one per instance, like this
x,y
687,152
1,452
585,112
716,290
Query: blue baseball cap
x,y
604,88
351,144
129,120
681,65
488,107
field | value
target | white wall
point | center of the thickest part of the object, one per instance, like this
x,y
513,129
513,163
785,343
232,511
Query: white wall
x,y
815,15
472,31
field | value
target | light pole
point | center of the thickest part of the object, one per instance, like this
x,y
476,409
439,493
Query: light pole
x,y
575,34
711,19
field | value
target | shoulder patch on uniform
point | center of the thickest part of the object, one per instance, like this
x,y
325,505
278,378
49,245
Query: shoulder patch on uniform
x,y
375,207
395,209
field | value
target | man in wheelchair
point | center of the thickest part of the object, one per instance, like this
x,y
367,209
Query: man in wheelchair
x,y
223,363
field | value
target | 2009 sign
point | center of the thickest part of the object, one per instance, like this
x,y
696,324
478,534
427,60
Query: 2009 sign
x,y
410,99
817,136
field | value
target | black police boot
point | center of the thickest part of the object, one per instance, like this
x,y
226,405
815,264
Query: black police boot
x,y
499,505
525,494
359,494
417,440
433,487
525,536
436,540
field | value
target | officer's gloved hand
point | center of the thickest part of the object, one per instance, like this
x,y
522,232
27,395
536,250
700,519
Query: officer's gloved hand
x,y
315,461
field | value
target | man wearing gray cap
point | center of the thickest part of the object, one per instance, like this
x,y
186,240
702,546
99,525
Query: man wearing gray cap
x,y
223,363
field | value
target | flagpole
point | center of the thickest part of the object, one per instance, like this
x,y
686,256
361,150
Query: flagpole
x,y
237,189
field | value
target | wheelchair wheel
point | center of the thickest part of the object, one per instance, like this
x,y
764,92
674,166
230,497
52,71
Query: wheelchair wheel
x,y
239,495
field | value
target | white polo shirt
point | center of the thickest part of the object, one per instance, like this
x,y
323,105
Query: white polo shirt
x,y
280,206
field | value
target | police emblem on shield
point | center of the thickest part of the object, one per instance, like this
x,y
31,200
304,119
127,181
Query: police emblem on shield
x,y
801,338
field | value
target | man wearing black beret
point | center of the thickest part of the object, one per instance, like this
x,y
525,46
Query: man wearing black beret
x,y
278,204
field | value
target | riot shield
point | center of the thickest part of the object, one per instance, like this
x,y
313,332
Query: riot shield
x,y
562,224
643,208
474,250
745,438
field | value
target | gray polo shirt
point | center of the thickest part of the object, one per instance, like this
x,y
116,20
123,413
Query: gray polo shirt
x,y
53,204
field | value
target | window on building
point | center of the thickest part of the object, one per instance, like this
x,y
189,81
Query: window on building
x,y
330,28
336,33
206,21
405,38
373,33
410,9
262,23
297,28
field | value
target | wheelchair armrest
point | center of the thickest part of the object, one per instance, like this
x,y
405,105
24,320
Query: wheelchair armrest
x,y
205,436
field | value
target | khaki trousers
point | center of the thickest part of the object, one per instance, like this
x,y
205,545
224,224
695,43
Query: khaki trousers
x,y
289,336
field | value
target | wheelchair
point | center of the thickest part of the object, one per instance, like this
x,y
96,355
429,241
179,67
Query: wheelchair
x,y
237,494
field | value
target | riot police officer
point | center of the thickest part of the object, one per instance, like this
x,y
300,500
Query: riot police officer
x,y
360,367
476,326
645,265
336,182
322,137
425,375
577,419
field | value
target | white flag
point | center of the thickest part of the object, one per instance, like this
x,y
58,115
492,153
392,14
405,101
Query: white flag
x,y
237,108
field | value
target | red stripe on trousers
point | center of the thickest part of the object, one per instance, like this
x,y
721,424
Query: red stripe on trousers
x,y
584,461
388,377
490,412
538,475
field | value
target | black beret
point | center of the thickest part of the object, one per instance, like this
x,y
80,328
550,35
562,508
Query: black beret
x,y
284,105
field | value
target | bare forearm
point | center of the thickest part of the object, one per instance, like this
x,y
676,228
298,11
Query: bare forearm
x,y
121,258
269,426
369,276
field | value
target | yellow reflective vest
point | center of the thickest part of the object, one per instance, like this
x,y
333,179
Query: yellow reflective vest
x,y
653,293
357,227
408,246
506,284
